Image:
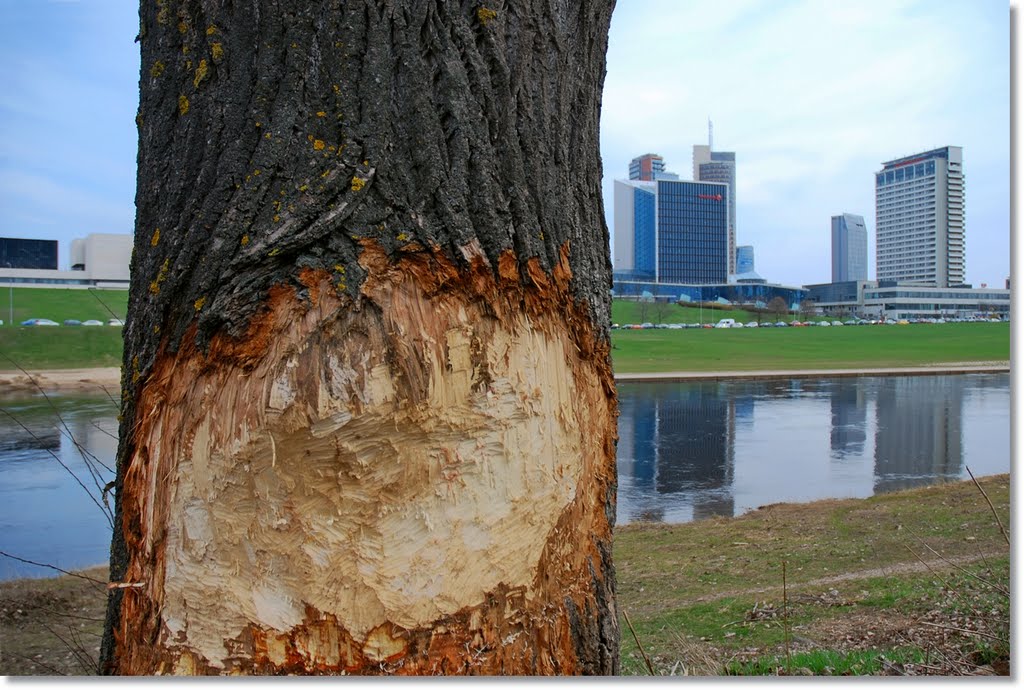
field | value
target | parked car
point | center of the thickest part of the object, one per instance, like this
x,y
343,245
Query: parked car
x,y
725,323
781,324
837,323
72,322
115,322
751,324
39,322
92,322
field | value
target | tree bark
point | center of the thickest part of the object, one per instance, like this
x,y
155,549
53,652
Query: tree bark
x,y
368,415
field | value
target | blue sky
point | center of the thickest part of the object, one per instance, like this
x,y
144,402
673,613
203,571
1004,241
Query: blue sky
x,y
812,95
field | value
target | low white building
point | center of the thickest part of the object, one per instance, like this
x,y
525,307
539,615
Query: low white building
x,y
892,300
97,260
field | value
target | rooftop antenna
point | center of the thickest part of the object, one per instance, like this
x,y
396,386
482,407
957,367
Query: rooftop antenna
x,y
710,135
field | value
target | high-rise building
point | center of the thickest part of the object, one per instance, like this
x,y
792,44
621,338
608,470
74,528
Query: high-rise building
x,y
744,259
693,232
719,166
634,251
671,231
645,167
919,218
849,248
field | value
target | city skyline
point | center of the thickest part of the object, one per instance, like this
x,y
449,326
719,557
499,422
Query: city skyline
x,y
809,125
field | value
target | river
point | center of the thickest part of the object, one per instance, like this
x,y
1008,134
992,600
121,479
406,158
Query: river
x,y
686,451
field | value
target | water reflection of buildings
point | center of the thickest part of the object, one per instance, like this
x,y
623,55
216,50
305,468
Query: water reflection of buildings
x,y
681,440
918,434
25,434
849,418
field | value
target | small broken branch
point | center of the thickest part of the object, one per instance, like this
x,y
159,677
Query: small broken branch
x,y
991,507
650,667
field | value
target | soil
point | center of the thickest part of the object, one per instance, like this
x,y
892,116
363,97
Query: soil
x,y
52,626
78,380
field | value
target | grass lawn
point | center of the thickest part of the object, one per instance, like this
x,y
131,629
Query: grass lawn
x,y
60,347
887,575
624,312
752,349
632,351
59,304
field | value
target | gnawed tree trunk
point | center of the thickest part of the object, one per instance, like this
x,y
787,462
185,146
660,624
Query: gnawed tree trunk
x,y
368,412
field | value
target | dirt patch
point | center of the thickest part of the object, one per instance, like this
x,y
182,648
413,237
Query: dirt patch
x,y
52,626
107,379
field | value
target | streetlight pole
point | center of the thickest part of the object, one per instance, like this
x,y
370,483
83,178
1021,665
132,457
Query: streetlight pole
x,y
10,299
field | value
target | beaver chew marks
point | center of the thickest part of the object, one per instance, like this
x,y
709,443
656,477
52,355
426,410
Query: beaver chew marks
x,y
379,490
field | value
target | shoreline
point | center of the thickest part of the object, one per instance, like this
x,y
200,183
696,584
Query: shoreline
x,y
924,370
106,378
97,380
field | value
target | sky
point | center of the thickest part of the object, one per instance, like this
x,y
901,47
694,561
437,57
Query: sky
x,y
811,95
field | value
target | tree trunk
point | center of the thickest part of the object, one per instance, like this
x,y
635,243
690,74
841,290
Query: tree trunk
x,y
368,416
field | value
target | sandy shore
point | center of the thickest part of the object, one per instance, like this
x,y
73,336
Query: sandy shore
x,y
109,379
78,380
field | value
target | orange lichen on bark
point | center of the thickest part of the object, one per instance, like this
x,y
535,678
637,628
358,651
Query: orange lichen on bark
x,y
411,483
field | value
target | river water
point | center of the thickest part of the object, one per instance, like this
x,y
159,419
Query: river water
x,y
720,448
686,451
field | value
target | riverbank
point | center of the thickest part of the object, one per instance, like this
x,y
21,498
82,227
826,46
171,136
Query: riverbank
x,y
108,379
913,582
930,370
910,583
97,380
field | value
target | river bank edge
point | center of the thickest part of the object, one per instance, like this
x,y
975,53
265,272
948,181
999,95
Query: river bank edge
x,y
109,378
695,618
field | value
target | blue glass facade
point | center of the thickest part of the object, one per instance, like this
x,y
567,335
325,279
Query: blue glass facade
x,y
745,293
849,248
19,253
693,232
745,259
643,233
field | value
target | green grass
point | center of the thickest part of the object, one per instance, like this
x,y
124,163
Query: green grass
x,y
750,349
827,662
60,347
656,350
59,304
709,594
626,312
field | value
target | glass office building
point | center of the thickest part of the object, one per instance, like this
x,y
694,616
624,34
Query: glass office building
x,y
692,232
919,219
635,249
744,259
670,231
849,248
719,166
21,253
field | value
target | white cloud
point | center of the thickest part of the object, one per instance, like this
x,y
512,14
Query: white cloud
x,y
812,96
